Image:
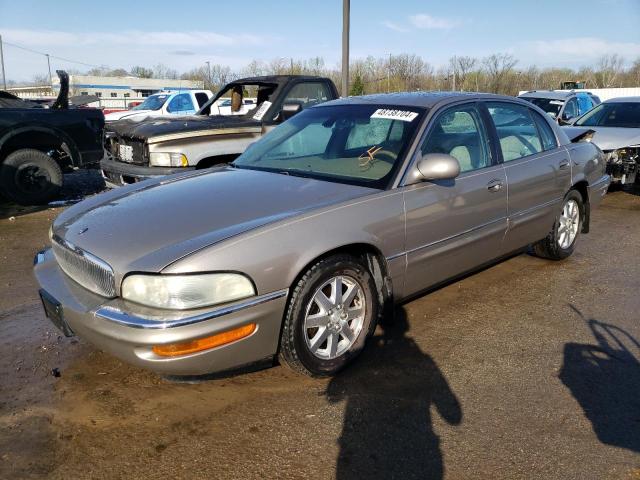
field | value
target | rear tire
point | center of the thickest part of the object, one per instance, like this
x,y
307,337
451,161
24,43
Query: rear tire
x,y
561,241
30,177
323,330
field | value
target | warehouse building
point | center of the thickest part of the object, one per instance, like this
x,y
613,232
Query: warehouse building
x,y
112,92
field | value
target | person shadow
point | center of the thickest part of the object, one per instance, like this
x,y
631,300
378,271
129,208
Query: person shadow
x,y
390,393
605,380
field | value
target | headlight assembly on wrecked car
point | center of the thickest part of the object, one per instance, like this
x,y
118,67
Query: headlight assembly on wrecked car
x,y
295,250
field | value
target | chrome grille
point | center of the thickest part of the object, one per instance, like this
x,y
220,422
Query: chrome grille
x,y
86,269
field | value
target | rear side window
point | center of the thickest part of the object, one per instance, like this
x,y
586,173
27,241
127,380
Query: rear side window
x,y
516,130
308,93
201,98
546,133
180,103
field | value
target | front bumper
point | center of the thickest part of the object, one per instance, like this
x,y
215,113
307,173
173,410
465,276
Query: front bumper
x,y
129,331
117,173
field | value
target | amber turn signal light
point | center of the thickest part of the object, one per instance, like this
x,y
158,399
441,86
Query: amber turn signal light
x,y
176,349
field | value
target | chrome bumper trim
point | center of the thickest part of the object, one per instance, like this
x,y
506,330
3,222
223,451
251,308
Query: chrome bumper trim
x,y
116,315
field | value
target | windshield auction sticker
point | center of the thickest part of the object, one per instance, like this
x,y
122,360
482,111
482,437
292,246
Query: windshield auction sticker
x,y
262,109
389,114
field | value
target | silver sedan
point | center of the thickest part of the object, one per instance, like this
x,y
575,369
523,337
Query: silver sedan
x,y
295,250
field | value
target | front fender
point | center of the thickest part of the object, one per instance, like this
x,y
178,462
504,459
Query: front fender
x,y
274,255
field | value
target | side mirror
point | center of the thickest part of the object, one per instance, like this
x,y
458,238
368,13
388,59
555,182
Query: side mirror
x,y
435,166
289,110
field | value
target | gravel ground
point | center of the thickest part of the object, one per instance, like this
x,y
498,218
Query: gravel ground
x,y
528,369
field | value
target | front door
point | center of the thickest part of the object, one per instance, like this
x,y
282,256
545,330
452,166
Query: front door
x,y
454,226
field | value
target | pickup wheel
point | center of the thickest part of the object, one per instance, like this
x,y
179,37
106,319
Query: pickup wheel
x,y
561,241
30,177
329,316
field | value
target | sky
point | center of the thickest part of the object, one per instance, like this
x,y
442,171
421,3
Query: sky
x,y
184,35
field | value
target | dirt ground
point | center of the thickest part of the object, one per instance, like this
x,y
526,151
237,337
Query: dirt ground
x,y
529,369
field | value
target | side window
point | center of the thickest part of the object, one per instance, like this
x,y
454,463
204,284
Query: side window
x,y
308,94
180,103
201,98
570,109
367,135
460,133
548,137
517,133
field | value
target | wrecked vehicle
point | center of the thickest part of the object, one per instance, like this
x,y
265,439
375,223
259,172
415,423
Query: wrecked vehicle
x,y
615,126
38,145
563,106
139,149
297,247
165,103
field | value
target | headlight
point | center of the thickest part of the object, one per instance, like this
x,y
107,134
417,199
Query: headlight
x,y
181,292
165,159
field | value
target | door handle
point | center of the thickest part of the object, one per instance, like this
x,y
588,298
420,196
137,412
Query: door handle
x,y
494,186
563,165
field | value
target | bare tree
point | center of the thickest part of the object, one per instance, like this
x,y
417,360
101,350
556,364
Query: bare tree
x,y
498,67
162,71
461,67
608,68
141,72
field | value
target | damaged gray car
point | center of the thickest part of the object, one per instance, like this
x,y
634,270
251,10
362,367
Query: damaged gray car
x,y
614,126
295,250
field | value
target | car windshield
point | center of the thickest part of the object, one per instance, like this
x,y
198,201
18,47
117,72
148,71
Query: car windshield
x,y
356,144
549,105
612,114
154,102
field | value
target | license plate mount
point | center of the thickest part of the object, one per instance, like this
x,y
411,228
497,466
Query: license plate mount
x,y
53,311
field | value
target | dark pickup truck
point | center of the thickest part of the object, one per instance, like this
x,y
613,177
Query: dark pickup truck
x,y
37,145
222,129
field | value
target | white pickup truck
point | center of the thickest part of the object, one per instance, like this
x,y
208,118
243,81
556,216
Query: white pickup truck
x,y
182,102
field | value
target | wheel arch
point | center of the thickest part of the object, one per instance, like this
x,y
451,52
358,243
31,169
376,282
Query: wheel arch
x,y
582,187
207,162
38,138
374,260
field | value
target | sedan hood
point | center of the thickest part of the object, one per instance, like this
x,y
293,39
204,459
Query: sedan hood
x,y
147,127
113,116
608,138
151,224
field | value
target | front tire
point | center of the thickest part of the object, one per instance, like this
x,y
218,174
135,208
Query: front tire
x,y
561,241
30,177
330,314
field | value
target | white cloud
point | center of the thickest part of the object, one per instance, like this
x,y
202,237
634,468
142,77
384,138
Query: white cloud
x,y
576,51
54,38
428,22
394,26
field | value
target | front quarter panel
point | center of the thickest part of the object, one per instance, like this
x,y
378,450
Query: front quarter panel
x,y
274,255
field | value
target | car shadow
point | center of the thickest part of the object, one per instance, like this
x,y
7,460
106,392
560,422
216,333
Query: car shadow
x,y
605,380
387,430
77,186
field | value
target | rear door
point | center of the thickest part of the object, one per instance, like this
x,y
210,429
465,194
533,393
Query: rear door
x,y
454,226
537,170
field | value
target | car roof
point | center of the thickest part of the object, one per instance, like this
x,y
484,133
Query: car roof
x,y
623,100
551,94
276,79
416,99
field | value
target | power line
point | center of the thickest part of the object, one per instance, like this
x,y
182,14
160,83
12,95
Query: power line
x,y
52,56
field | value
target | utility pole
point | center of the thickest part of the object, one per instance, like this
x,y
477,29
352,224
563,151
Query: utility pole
x,y
345,47
389,75
4,78
208,73
49,65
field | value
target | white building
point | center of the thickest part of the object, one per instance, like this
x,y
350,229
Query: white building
x,y
113,92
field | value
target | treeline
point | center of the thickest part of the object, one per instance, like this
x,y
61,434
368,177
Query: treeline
x,y
497,73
